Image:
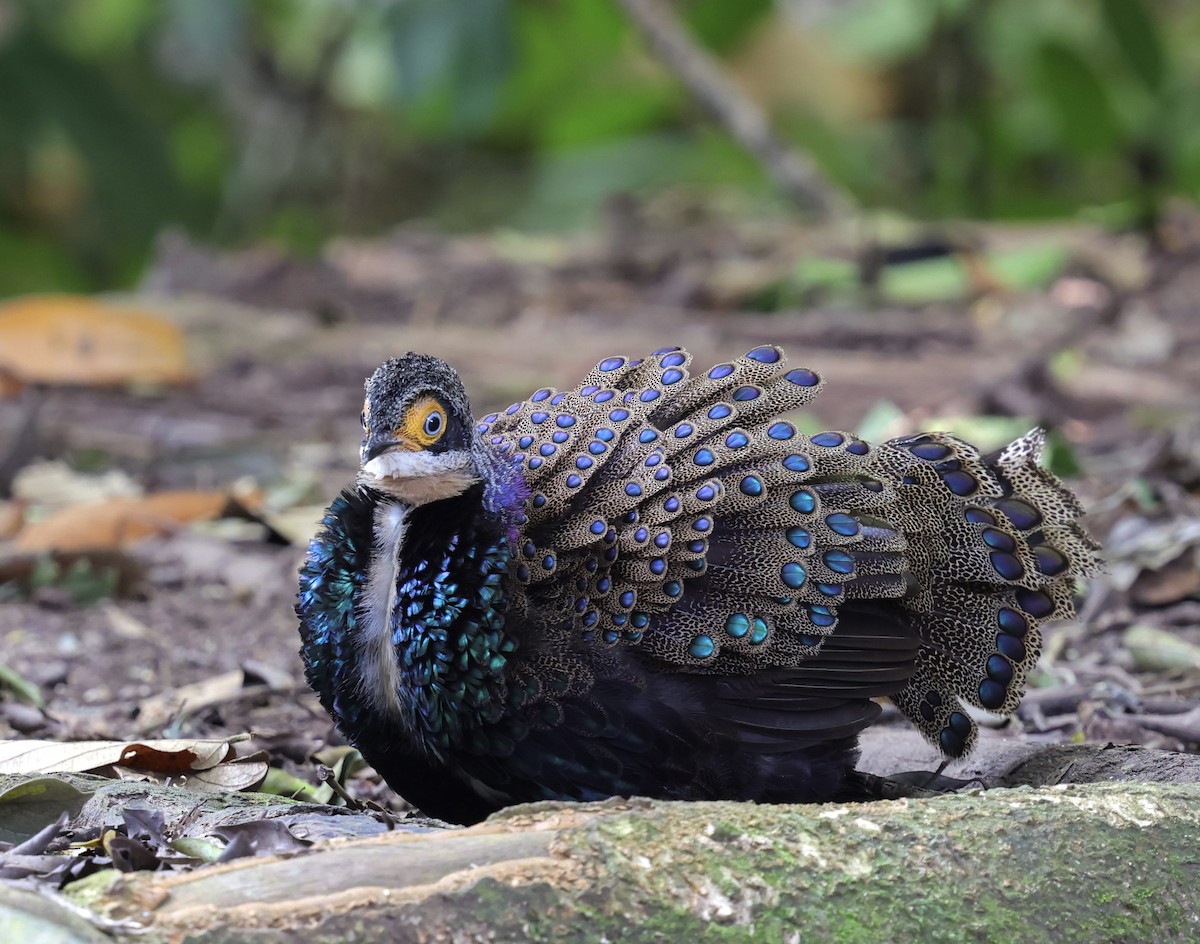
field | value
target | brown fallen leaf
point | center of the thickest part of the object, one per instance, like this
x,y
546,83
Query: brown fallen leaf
x,y
12,518
1174,581
174,756
74,339
121,521
10,386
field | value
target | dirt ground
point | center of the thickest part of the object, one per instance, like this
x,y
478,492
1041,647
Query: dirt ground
x,y
1108,355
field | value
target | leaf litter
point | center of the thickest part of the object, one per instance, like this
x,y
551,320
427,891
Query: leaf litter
x,y
193,635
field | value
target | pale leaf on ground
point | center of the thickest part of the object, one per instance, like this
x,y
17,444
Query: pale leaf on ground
x,y
1156,650
71,339
52,483
158,710
241,773
164,755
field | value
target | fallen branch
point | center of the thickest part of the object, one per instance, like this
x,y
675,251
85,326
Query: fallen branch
x,y
1101,862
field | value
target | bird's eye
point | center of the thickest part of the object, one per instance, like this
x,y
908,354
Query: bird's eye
x,y
425,422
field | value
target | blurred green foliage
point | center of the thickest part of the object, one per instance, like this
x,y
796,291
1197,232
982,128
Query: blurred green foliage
x,y
294,119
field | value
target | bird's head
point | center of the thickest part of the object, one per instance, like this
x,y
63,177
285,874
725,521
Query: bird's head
x,y
418,431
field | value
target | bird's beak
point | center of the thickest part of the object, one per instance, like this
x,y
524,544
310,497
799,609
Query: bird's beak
x,y
378,442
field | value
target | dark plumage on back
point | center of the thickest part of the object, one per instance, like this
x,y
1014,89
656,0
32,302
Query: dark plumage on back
x,y
651,584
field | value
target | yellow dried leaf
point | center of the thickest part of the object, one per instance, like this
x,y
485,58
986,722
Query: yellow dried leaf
x,y
73,339
120,521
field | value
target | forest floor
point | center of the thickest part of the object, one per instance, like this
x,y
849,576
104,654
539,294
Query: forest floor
x,y
198,638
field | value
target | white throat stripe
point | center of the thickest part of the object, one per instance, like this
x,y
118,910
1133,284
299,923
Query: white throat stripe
x,y
380,669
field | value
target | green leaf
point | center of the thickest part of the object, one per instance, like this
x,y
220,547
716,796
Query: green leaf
x,y
456,54
930,280
130,176
884,420
883,31
605,113
280,783
1060,456
576,81
31,262
826,273
1157,650
207,38
813,280
20,686
34,804
721,25
1136,33
1087,120
203,849
88,584
1029,267
570,185
104,26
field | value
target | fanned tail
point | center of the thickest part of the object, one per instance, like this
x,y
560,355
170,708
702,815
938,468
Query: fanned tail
x,y
675,512
991,562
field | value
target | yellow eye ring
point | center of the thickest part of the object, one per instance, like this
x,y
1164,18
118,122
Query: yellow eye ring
x,y
424,422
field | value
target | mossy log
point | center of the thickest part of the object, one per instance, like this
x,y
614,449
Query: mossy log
x,y
1094,862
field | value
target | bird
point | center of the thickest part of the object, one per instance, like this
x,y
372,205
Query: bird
x,y
654,584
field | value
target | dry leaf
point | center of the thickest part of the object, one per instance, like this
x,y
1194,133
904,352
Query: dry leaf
x,y
52,483
155,712
12,517
162,755
10,386
1174,581
240,773
73,339
1156,650
121,521
298,524
29,757
174,756
124,624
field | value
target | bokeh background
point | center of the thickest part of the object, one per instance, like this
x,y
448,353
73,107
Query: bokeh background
x,y
295,120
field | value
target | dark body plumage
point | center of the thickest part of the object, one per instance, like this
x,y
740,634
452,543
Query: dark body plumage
x,y
653,585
